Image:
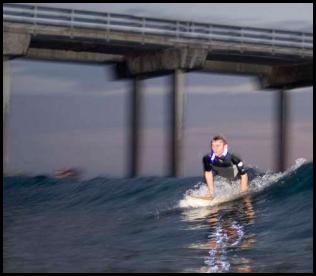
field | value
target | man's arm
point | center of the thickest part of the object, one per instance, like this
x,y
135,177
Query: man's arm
x,y
209,181
244,183
243,174
208,175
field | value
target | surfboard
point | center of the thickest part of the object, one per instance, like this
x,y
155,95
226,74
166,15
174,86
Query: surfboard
x,y
191,200
201,197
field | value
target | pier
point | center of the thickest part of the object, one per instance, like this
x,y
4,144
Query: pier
x,y
143,47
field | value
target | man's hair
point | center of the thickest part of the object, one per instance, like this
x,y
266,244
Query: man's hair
x,y
219,137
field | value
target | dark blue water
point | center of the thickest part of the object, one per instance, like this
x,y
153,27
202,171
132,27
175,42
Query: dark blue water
x,y
136,225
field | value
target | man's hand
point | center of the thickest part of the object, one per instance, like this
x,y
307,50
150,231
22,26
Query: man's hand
x,y
210,196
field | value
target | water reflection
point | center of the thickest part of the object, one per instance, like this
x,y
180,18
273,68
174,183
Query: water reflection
x,y
228,236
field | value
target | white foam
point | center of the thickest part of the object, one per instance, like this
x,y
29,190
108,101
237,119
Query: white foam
x,y
262,182
226,190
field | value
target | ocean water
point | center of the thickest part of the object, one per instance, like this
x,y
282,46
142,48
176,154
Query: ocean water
x,y
148,224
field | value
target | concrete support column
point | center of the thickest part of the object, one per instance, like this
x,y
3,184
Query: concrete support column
x,y
281,129
136,105
176,127
6,106
14,45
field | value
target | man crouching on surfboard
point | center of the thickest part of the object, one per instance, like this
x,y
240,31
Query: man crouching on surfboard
x,y
223,163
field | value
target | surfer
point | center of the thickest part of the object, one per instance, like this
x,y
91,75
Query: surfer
x,y
223,163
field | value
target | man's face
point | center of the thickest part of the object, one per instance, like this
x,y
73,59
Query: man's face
x,y
218,147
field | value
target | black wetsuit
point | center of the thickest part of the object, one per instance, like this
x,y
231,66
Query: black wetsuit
x,y
229,166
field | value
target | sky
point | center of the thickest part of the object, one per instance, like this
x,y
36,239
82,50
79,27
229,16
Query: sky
x,y
73,115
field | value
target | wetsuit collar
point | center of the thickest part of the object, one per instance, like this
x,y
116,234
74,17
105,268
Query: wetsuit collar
x,y
212,154
225,151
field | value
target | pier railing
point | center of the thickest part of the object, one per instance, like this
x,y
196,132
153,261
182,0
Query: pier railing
x,y
179,30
